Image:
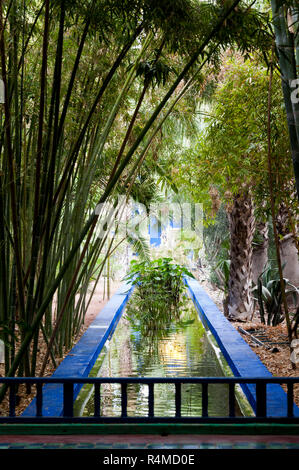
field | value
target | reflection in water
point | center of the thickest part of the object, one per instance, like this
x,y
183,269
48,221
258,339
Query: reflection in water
x,y
180,350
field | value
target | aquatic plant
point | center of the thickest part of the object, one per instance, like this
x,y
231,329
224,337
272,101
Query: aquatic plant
x,y
159,296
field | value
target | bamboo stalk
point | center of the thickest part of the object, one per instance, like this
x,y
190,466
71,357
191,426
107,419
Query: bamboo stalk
x,y
67,257
166,98
36,214
287,61
272,203
11,168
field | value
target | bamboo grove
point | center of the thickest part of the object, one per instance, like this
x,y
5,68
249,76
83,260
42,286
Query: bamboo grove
x,y
76,125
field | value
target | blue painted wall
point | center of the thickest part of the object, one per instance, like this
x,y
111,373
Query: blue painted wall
x,y
155,231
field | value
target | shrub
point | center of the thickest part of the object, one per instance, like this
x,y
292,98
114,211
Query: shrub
x,y
159,294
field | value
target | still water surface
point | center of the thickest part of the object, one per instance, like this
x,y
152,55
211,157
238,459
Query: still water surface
x,y
180,350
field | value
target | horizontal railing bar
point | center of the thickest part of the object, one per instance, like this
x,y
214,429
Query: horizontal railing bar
x,y
147,380
68,384
146,419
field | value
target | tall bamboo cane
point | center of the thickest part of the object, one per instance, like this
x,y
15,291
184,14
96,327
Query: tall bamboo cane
x,y
88,225
286,54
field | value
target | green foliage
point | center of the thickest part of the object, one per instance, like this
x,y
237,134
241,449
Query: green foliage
x,y
73,81
73,75
216,244
268,295
222,272
145,189
153,71
139,244
159,293
231,149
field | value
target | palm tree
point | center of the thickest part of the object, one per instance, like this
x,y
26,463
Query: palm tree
x,y
241,228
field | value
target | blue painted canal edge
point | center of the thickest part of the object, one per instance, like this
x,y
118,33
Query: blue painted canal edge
x,y
81,359
238,354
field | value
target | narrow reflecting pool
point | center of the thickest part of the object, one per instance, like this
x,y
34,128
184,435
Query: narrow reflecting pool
x,y
182,349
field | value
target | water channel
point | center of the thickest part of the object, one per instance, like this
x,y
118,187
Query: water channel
x,y
182,349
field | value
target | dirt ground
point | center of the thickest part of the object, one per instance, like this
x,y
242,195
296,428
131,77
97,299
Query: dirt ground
x,y
276,357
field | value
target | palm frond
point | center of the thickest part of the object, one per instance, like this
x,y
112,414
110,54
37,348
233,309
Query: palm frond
x,y
140,245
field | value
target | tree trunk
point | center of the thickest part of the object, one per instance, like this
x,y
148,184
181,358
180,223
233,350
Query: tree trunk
x,y
289,258
241,225
260,251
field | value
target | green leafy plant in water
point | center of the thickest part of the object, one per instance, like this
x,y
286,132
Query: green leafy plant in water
x,y
159,297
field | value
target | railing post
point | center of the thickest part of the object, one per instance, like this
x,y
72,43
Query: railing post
x,y
231,400
124,400
204,391
290,400
261,400
68,399
12,400
151,400
39,399
97,400
178,400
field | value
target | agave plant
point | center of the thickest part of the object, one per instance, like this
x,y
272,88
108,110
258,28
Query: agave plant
x,y
269,297
221,270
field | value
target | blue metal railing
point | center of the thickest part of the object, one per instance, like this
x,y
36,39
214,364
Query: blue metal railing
x,y
68,383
